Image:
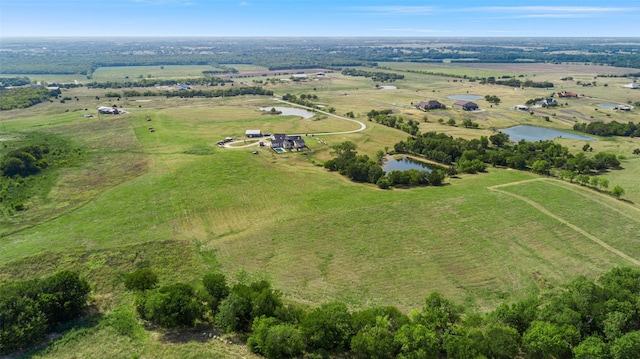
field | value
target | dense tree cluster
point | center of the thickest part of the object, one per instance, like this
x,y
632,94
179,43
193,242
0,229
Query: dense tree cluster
x,y
23,97
377,76
14,81
583,319
470,155
32,308
612,128
384,117
25,161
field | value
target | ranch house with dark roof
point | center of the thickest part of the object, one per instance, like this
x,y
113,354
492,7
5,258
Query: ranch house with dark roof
x,y
280,140
466,105
429,105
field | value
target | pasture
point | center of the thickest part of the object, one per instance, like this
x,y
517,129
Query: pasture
x,y
173,199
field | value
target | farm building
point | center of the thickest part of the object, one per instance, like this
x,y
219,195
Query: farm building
x,y
253,133
567,94
281,140
622,108
466,105
632,85
521,107
547,102
109,110
429,105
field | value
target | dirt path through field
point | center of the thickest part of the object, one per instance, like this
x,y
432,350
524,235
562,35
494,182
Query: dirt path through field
x,y
559,219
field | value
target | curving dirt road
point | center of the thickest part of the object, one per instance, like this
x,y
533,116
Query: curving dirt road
x,y
362,126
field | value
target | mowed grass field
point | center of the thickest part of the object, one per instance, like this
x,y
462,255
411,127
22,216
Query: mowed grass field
x,y
173,199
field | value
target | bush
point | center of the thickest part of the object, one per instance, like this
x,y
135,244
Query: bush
x,y
171,306
216,286
29,309
141,279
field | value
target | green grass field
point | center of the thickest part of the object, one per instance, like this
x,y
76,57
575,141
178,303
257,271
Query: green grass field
x,y
172,198
120,73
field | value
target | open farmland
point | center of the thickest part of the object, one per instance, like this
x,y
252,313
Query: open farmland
x,y
175,200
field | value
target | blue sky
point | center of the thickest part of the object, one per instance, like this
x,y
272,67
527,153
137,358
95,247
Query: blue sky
x,y
437,18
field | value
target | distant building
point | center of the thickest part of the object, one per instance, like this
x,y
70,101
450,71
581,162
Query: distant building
x,y
109,110
466,105
547,102
521,107
632,85
184,87
567,94
429,105
622,108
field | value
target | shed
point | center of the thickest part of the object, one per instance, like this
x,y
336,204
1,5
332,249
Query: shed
x,y
253,133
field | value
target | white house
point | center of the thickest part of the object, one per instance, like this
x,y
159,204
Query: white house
x,y
632,85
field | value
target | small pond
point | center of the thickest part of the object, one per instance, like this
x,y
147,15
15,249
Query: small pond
x,y
534,133
290,111
465,97
607,105
404,164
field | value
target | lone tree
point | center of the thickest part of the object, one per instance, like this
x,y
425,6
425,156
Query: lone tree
x,y
617,191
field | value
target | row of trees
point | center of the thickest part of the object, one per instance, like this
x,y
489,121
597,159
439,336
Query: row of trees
x,y
468,155
202,81
14,81
582,319
514,82
24,97
30,309
612,128
229,92
377,76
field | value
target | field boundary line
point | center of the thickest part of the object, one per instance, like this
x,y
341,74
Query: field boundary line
x,y
545,211
582,192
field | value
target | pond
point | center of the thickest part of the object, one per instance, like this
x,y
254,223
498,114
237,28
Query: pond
x,y
290,111
465,97
534,133
607,105
404,164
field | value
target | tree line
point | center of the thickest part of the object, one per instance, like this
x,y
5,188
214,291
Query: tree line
x,y
377,76
497,150
584,318
29,309
203,81
612,128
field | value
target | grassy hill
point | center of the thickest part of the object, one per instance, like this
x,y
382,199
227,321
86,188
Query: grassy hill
x,y
174,200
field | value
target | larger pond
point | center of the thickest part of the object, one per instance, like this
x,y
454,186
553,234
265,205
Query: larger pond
x,y
290,111
404,164
465,97
534,133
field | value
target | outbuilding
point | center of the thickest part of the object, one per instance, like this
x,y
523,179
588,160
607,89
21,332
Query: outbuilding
x,y
253,133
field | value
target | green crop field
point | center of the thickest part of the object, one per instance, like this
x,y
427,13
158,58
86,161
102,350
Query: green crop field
x,y
175,200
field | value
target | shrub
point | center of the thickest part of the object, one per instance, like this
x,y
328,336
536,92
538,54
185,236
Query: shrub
x,y
141,279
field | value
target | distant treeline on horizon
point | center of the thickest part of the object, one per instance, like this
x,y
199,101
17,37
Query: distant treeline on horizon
x,y
84,55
